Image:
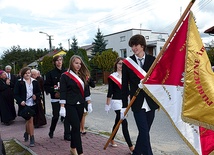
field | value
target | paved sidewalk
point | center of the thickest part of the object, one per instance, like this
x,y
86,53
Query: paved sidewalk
x,y
93,143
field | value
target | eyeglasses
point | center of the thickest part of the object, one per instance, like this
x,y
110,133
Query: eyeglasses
x,y
120,63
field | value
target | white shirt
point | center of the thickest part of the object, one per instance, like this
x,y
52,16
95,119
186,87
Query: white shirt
x,y
29,89
145,104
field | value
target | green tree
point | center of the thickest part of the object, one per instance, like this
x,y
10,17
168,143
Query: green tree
x,y
105,61
74,45
210,53
46,64
99,43
67,57
18,58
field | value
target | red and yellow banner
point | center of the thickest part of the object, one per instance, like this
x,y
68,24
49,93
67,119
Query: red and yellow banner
x,y
181,83
198,100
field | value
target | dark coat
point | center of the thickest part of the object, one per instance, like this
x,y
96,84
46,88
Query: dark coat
x,y
7,108
129,77
40,119
52,78
20,92
13,80
70,92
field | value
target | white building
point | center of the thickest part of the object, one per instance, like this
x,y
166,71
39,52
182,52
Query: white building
x,y
119,41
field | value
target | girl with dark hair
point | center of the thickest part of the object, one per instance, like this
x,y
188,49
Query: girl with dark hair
x,y
114,101
26,93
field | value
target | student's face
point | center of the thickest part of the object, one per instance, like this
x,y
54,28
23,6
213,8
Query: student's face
x,y
119,65
58,62
77,64
27,75
137,49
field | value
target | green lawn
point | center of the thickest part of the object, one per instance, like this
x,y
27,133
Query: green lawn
x,y
13,148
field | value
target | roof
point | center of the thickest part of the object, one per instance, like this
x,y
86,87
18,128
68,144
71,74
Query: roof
x,y
33,64
50,54
210,30
87,47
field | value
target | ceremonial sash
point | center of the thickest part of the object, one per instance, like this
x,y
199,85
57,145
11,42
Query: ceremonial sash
x,y
116,80
79,82
135,67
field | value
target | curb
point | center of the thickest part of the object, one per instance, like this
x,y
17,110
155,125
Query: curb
x,y
25,147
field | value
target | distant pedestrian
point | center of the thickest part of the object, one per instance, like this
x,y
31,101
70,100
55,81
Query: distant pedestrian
x,y
27,93
52,87
74,91
7,108
114,101
12,77
39,119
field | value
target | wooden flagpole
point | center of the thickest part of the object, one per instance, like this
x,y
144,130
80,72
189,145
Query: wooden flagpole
x,y
152,67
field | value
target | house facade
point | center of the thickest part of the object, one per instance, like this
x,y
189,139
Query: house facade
x,y
119,41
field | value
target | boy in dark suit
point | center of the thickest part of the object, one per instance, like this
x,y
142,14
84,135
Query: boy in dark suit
x,y
51,86
143,107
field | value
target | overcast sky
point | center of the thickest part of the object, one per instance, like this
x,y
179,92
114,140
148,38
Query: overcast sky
x,y
21,20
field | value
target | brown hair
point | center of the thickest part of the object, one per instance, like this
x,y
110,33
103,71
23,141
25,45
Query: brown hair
x,y
137,39
116,62
24,70
56,58
83,73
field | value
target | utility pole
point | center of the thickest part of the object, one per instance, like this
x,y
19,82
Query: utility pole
x,y
49,38
69,44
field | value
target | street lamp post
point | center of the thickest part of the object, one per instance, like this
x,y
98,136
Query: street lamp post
x,y
49,38
69,44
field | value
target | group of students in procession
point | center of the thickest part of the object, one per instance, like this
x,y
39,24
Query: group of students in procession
x,y
70,97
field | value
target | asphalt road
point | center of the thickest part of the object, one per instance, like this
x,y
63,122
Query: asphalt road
x,y
164,138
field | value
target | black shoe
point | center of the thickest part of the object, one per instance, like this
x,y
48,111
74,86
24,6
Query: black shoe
x,y
68,138
50,134
32,141
25,136
7,123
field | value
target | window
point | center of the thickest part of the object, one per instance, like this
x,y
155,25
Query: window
x,y
123,53
123,38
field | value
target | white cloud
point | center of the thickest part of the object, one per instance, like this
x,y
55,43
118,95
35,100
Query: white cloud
x,y
21,21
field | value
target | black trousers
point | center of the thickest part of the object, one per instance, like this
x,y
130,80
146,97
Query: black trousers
x,y
55,118
74,115
143,121
124,128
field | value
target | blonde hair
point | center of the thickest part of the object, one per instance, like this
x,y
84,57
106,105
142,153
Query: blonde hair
x,y
83,73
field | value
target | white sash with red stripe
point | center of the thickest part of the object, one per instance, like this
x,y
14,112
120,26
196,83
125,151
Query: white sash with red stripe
x,y
135,67
116,79
79,81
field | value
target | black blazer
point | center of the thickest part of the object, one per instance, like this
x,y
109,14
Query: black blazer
x,y
114,91
70,92
20,92
130,83
13,80
52,78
